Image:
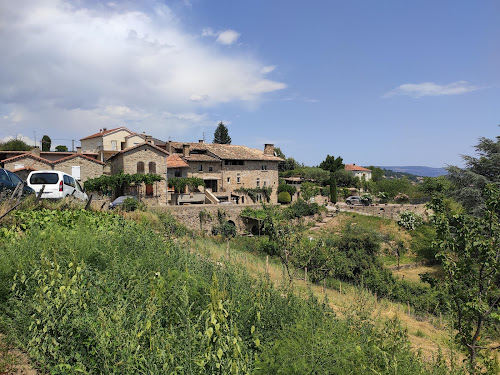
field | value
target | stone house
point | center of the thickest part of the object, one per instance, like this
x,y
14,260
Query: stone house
x,y
357,171
226,169
148,158
80,166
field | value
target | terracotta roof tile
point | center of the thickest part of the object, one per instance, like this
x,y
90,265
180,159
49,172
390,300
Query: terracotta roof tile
x,y
22,156
100,134
76,156
175,161
229,152
354,167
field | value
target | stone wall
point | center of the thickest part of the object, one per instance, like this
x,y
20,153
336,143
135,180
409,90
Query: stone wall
x,y
88,168
190,216
388,211
28,162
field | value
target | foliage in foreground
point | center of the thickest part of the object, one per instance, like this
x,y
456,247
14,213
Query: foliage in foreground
x,y
125,300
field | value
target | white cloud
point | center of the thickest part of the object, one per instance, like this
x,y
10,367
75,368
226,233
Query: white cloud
x,y
432,89
73,69
268,69
228,37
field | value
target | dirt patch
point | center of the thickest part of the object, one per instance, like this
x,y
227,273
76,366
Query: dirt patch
x,y
13,361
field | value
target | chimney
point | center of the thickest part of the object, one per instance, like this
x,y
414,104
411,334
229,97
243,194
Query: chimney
x,y
149,138
269,149
78,150
104,129
168,147
201,141
35,151
185,150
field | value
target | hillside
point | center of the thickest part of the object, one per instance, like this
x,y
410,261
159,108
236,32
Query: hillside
x,y
417,170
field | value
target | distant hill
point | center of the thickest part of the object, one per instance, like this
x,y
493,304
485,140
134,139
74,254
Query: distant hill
x,y
418,170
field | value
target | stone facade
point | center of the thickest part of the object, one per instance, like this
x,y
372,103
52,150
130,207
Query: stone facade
x,y
109,140
80,167
27,161
146,158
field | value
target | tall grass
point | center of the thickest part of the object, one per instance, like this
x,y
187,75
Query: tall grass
x,y
99,294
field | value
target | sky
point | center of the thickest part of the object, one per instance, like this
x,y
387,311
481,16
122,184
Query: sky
x,y
376,82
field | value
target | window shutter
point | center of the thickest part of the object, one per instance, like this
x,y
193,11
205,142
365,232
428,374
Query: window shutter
x,y
75,172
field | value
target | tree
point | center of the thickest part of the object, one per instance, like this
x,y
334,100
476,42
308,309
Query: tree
x,y
345,178
46,142
332,164
333,190
221,134
469,249
287,164
377,173
469,182
309,190
61,148
15,145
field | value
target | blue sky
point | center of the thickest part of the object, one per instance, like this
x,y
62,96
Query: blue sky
x,y
377,83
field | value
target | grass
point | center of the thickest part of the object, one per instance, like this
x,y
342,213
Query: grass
x,y
413,274
426,333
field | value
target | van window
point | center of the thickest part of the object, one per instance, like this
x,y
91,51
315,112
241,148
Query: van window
x,y
68,180
44,178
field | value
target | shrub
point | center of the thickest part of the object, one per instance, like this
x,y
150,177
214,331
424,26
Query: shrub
x,y
401,198
288,188
410,220
130,204
284,197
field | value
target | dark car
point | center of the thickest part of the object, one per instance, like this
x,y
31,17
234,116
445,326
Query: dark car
x,y
119,201
9,181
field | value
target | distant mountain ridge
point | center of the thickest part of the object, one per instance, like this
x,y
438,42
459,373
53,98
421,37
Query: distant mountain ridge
x,y
417,170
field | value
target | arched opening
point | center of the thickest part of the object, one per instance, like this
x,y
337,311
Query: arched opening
x,y
152,167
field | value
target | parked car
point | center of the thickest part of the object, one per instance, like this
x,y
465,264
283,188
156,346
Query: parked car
x,y
9,181
119,201
356,199
57,185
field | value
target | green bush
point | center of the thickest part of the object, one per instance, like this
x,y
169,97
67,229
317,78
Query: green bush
x,y
130,204
284,197
409,220
288,188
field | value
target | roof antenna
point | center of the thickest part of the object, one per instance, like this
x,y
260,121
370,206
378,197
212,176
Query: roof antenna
x,y
203,137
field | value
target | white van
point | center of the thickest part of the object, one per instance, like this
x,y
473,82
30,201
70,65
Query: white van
x,y
57,185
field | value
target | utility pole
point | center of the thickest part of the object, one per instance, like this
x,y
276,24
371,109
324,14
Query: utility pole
x,y
72,145
35,137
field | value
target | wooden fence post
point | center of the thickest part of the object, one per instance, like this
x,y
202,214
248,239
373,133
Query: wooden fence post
x,y
267,265
39,195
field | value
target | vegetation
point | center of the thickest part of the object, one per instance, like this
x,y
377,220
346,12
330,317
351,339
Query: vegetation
x,y
290,189
118,181
61,148
15,145
179,183
288,164
284,197
469,249
46,143
468,184
254,193
221,134
94,293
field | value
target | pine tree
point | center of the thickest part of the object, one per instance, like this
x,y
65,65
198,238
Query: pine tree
x,y
221,134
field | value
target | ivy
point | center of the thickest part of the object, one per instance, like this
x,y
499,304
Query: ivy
x,y
119,180
179,183
252,193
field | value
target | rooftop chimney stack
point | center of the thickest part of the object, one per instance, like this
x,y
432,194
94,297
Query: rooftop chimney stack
x,y
269,149
78,150
35,151
201,141
185,150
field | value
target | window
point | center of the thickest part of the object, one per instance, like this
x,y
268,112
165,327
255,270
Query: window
x,y
140,167
210,169
234,162
258,182
152,167
75,172
264,167
238,179
200,168
113,145
18,166
265,183
177,173
229,180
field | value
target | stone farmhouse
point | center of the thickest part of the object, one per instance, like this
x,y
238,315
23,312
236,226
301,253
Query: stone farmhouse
x,y
80,166
228,171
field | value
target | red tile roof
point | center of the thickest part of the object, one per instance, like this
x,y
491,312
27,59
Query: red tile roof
x,y
175,161
356,168
76,156
102,132
22,156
